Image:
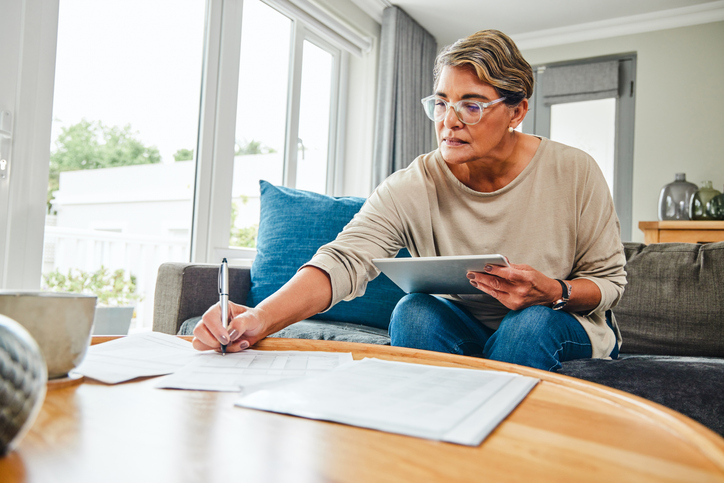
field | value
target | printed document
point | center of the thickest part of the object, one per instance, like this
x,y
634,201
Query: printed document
x,y
137,355
209,371
441,403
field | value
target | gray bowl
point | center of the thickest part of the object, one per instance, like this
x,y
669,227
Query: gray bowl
x,y
59,322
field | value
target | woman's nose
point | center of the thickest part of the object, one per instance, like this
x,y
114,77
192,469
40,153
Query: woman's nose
x,y
451,118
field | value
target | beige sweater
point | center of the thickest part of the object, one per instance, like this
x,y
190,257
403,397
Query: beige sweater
x,y
557,216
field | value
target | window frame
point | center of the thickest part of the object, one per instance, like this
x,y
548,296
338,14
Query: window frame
x,y
32,56
539,123
213,190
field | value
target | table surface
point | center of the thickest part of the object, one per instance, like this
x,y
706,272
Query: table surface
x,y
565,430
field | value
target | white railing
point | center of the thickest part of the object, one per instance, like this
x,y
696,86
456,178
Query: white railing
x,y
141,255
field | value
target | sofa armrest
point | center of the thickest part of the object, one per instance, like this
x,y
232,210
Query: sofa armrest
x,y
185,290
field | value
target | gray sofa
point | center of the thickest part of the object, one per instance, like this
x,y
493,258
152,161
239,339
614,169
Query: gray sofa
x,y
671,317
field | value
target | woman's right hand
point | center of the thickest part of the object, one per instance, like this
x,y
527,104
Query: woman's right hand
x,y
245,328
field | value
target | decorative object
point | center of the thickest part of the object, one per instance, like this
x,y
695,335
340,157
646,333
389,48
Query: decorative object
x,y
699,208
675,198
716,207
60,323
23,375
116,292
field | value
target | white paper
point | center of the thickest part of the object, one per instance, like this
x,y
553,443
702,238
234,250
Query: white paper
x,y
209,371
137,355
447,404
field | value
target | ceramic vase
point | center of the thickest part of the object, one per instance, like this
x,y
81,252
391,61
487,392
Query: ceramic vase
x,y
675,197
699,208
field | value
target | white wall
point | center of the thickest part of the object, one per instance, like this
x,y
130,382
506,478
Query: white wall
x,y
679,106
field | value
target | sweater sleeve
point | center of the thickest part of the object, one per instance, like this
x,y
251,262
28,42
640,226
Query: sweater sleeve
x,y
599,252
376,231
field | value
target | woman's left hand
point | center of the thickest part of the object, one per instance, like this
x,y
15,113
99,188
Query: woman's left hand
x,y
517,287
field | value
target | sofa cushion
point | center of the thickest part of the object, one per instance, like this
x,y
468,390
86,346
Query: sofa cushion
x,y
317,330
692,386
674,302
293,225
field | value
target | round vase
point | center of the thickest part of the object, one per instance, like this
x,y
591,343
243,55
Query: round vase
x,y
675,197
23,377
699,209
716,207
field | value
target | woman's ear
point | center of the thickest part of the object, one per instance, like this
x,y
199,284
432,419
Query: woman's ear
x,y
519,113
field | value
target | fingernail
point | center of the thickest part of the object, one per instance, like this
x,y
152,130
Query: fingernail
x,y
223,339
234,334
471,275
244,345
474,283
488,268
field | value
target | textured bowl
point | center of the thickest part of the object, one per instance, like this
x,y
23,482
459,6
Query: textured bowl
x,y
59,322
22,382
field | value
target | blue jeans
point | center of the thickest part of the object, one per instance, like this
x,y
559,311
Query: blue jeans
x,y
537,336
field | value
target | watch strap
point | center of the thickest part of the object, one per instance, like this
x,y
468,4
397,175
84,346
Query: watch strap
x,y
565,295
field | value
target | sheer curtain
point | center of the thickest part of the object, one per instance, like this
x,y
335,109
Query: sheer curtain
x,y
407,57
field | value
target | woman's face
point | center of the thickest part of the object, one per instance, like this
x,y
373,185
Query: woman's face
x,y
462,143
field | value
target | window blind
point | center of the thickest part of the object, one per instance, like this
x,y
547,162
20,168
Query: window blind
x,y
582,82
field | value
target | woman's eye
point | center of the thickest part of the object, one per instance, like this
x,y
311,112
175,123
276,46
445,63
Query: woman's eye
x,y
471,107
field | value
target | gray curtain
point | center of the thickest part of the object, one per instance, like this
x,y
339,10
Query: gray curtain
x,y
407,57
582,82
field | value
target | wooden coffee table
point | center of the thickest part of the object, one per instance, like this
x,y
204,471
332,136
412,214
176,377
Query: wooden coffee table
x,y
565,430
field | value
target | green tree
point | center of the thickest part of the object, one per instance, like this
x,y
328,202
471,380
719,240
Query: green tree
x,y
93,145
184,155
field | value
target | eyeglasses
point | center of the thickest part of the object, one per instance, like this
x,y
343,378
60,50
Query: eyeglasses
x,y
468,111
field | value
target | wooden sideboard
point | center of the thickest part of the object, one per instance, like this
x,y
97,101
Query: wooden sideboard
x,y
682,231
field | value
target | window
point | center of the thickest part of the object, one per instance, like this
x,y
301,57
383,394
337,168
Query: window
x,y
123,140
589,104
155,110
288,77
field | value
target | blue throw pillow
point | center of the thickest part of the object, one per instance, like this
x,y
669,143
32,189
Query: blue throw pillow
x,y
292,227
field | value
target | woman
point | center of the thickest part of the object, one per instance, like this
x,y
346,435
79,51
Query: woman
x,y
486,189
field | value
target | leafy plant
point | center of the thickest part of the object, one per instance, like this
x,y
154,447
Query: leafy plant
x,y
112,288
242,237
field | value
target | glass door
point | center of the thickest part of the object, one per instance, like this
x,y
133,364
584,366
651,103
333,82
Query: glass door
x,y
123,147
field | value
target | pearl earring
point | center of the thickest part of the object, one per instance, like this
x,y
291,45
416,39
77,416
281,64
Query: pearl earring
x,y
510,129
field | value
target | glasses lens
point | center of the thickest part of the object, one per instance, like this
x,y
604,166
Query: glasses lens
x,y
430,106
469,112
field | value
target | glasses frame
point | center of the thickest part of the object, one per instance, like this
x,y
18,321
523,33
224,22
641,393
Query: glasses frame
x,y
456,107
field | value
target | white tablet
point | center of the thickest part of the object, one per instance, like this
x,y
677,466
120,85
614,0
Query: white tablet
x,y
437,275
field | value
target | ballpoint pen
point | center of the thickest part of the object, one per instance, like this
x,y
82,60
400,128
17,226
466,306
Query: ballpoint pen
x,y
224,297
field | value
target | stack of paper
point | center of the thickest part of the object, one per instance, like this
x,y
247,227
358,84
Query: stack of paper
x,y
441,403
246,370
447,404
138,355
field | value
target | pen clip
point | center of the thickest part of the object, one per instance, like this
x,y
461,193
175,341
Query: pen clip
x,y
224,278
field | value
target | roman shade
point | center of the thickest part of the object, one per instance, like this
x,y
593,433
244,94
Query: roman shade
x,y
580,82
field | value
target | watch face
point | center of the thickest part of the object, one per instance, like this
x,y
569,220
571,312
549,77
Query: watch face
x,y
560,303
